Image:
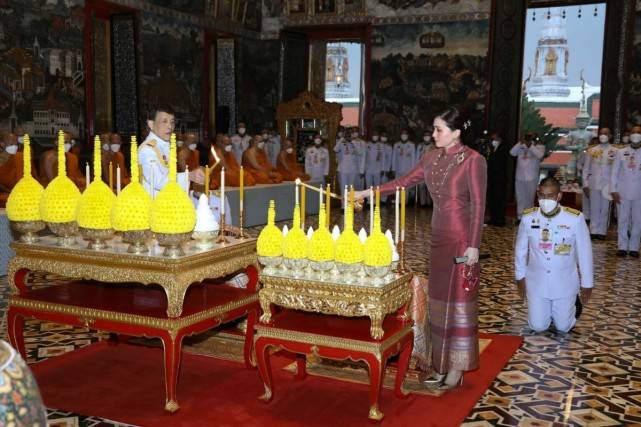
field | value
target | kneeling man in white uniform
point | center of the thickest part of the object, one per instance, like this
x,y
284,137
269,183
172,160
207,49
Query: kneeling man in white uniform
x,y
553,260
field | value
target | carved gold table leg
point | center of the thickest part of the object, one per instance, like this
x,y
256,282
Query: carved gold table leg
x,y
175,297
376,329
265,305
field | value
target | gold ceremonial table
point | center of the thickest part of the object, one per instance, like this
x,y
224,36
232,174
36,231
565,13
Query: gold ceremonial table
x,y
110,290
361,298
115,265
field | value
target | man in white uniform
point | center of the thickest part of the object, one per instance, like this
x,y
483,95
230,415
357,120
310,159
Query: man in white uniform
x,y
404,158
422,148
388,153
240,142
597,169
317,161
529,155
625,185
374,161
360,148
272,145
348,158
551,243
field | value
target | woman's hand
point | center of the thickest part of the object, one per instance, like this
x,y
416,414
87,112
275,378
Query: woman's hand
x,y
472,255
361,195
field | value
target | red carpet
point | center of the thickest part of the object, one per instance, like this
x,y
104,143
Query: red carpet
x,y
125,383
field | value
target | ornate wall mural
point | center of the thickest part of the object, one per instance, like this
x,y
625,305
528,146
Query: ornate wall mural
x,y
419,70
172,68
41,67
196,7
394,8
634,97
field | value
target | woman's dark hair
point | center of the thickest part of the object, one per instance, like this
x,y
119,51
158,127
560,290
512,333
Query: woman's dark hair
x,y
456,118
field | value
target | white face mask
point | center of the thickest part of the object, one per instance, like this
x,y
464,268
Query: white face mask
x,y
427,138
261,144
495,143
383,139
192,147
290,150
635,138
241,131
548,205
265,136
20,139
73,142
115,147
625,139
179,143
67,147
404,137
603,139
105,147
374,138
228,148
317,141
12,149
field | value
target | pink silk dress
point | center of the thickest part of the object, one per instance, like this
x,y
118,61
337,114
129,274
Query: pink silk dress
x,y
456,180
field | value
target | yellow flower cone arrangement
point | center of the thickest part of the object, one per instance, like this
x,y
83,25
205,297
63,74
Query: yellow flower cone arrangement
x,y
378,253
23,204
59,201
96,202
349,249
321,245
173,215
132,208
24,201
270,239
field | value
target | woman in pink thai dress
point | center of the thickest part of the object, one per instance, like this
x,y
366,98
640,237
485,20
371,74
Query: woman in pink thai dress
x,y
455,176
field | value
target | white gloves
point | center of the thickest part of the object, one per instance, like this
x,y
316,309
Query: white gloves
x,y
472,255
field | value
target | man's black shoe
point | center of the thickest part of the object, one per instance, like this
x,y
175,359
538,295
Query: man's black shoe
x,y
621,253
634,254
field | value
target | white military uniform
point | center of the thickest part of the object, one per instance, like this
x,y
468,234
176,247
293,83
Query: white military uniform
x,y
423,195
403,161
348,158
625,179
547,253
317,163
361,146
388,151
272,147
153,155
597,169
375,163
239,145
585,201
527,174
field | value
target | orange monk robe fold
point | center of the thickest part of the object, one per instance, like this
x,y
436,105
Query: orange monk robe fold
x,y
232,170
262,160
49,168
10,173
193,160
73,171
289,168
118,160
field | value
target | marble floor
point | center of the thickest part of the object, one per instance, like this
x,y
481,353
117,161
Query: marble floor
x,y
591,377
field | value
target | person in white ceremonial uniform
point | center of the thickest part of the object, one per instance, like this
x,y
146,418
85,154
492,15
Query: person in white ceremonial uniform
x,y
580,162
529,155
422,148
553,260
374,161
348,157
240,142
317,161
272,145
404,158
361,146
597,169
153,153
625,185
388,153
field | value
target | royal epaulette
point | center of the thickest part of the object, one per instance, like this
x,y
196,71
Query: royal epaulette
x,y
572,211
530,210
151,143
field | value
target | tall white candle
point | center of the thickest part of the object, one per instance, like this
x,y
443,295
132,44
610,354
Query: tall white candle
x,y
371,210
345,197
296,194
396,207
320,196
87,174
118,179
222,193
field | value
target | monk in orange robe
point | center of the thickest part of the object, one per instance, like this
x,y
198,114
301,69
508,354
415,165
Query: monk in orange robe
x,y
255,161
117,159
12,168
224,152
49,166
287,165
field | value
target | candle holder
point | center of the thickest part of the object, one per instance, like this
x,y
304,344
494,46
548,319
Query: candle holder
x,y
241,222
66,232
28,230
137,240
296,266
172,242
221,233
402,268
